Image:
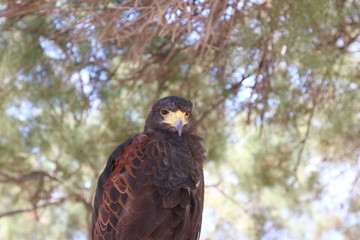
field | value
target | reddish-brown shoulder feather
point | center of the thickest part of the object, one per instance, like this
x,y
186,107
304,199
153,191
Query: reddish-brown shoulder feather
x,y
115,185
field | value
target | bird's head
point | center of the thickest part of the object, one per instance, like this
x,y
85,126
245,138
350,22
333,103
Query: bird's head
x,y
171,114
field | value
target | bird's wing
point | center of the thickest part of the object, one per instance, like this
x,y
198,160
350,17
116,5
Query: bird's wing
x,y
115,184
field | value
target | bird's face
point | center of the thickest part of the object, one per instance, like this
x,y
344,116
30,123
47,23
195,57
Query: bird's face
x,y
171,114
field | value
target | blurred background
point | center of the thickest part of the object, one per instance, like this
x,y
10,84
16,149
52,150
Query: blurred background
x,y
276,88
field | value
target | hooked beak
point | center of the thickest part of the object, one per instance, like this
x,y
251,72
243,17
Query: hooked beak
x,y
179,125
176,119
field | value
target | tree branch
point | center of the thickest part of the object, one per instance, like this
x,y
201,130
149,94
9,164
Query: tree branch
x,y
14,212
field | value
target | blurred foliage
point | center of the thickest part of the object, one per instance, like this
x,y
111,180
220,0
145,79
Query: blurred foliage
x,y
276,92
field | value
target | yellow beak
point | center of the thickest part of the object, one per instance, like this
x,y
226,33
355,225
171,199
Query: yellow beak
x,y
176,119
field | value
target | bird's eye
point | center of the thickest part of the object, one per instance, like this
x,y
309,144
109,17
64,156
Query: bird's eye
x,y
164,112
187,114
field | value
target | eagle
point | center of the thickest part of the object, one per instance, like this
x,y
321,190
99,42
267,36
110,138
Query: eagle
x,y
152,187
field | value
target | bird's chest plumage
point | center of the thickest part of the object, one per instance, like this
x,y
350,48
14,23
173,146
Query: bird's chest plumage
x,y
173,170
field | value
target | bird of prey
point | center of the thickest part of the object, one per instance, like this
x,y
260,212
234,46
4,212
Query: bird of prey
x,y
152,187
